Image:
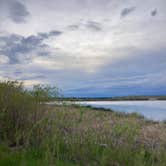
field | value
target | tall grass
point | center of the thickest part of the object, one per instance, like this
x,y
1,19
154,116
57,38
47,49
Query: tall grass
x,y
32,133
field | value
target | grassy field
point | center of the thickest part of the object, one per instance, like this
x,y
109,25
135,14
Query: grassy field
x,y
34,134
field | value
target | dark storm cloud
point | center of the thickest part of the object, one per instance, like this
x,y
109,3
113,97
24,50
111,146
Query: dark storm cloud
x,y
14,10
127,11
73,27
44,53
18,12
90,25
18,45
50,34
154,12
93,25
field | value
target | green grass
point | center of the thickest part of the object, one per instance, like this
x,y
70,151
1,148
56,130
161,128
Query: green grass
x,y
32,133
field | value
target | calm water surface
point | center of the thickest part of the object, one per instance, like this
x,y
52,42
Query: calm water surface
x,y
155,110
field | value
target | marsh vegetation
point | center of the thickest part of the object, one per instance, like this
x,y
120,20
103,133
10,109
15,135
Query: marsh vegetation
x,y
34,133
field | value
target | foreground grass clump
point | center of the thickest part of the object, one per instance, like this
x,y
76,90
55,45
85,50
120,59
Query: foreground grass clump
x,y
33,133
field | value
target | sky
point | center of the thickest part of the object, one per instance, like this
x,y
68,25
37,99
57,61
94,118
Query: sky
x,y
87,48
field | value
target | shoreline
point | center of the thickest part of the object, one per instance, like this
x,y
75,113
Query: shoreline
x,y
133,107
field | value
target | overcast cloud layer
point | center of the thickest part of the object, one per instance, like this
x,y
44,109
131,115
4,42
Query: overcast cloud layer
x,y
85,47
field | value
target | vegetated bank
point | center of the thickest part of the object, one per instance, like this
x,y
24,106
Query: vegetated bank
x,y
33,133
123,98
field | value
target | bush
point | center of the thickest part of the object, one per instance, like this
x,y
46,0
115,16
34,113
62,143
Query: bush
x,y
21,110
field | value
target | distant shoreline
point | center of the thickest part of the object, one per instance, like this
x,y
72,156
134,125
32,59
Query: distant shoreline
x,y
126,98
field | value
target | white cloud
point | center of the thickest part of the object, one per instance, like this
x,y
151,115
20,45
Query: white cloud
x,y
3,59
31,83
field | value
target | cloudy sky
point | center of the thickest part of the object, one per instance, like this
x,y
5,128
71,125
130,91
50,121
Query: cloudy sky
x,y
85,47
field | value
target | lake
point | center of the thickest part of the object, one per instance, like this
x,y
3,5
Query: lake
x,y
154,110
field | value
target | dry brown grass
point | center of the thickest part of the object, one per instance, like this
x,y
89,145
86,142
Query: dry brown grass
x,y
149,133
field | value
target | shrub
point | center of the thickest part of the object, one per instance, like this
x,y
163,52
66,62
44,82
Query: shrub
x,y
21,110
